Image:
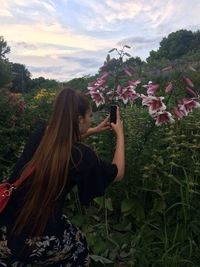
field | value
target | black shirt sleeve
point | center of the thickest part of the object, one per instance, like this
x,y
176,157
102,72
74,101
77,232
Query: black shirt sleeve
x,y
93,175
28,151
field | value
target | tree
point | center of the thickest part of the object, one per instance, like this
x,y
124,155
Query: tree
x,y
41,82
5,73
5,70
21,80
175,45
4,48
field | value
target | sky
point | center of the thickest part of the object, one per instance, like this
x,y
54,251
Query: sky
x,y
66,39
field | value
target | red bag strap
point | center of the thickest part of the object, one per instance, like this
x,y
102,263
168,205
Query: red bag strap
x,y
23,177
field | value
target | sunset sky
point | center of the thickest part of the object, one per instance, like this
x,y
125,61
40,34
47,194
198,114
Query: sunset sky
x,y
64,39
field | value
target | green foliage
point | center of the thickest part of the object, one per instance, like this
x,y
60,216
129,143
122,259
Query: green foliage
x,y
39,83
4,48
12,125
152,217
5,73
157,203
21,78
176,45
79,83
5,69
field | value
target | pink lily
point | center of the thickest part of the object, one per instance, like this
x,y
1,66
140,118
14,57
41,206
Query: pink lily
x,y
190,91
127,72
98,98
127,94
191,68
134,83
169,88
163,117
104,76
154,103
188,105
188,81
167,68
179,114
119,90
151,88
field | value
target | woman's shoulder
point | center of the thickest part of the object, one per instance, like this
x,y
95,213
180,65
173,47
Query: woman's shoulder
x,y
85,149
83,154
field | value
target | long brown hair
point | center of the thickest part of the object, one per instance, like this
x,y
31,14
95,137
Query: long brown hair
x,y
51,162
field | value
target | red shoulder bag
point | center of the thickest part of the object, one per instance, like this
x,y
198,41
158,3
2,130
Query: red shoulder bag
x,y
6,189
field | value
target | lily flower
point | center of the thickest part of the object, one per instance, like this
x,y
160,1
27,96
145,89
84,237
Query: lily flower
x,y
127,72
190,91
134,83
119,89
179,114
127,94
151,88
169,87
188,105
104,76
98,98
188,81
154,103
163,117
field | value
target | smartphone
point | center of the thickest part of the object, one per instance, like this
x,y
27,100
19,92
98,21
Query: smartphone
x,y
113,114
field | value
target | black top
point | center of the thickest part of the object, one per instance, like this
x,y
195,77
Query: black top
x,y
91,175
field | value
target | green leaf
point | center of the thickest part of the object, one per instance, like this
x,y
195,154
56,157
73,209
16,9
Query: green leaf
x,y
127,46
97,258
127,54
158,206
126,206
108,204
99,201
160,160
112,50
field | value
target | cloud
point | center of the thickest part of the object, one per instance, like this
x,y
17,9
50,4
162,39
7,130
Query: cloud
x,y
138,40
61,66
62,38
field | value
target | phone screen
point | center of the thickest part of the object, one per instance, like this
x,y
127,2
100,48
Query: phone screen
x,y
113,114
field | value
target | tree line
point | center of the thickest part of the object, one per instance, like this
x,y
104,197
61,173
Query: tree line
x,y
179,45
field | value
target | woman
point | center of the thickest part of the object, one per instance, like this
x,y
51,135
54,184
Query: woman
x,y
33,228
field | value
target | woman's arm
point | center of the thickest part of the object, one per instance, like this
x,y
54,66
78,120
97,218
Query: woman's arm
x,y
119,155
101,127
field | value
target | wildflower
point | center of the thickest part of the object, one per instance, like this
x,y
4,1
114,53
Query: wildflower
x,y
179,114
169,68
188,105
151,88
163,117
97,88
190,91
134,83
188,81
119,89
169,88
97,96
154,103
127,72
104,76
127,94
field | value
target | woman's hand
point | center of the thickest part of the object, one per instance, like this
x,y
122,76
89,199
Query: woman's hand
x,y
118,126
101,127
